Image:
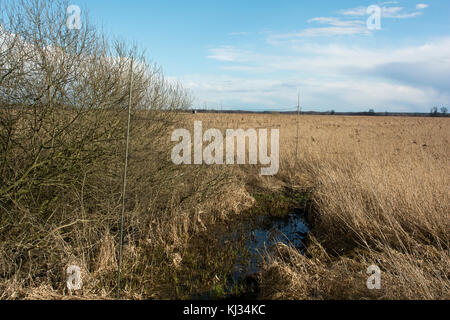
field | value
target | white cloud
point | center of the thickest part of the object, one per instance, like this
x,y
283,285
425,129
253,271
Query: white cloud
x,y
341,77
358,11
336,22
336,27
386,12
404,15
349,26
341,94
331,76
333,57
241,33
421,6
326,32
230,54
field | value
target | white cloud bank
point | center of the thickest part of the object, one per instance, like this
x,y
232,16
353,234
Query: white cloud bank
x,y
330,76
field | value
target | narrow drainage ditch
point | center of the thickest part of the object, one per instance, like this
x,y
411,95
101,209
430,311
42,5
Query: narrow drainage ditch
x,y
226,263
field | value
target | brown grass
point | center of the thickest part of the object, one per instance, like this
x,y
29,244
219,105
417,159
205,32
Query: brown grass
x,y
379,186
380,190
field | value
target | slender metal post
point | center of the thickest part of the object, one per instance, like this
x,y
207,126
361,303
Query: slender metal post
x,y
298,125
125,180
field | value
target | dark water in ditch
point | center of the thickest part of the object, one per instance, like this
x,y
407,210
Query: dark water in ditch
x,y
257,237
290,230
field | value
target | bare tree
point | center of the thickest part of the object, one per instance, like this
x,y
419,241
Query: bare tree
x,y
434,111
63,104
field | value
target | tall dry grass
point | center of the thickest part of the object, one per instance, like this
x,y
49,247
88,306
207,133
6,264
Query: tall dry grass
x,y
63,114
380,192
379,186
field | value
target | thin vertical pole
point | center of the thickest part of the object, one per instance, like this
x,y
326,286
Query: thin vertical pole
x,y
298,125
125,180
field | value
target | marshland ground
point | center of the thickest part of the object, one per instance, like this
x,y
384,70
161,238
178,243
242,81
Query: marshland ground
x,y
379,196
373,190
376,190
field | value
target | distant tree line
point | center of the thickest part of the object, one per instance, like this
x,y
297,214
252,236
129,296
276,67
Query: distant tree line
x,y
435,111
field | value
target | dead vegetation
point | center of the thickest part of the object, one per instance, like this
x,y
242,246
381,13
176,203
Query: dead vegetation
x,y
64,97
379,188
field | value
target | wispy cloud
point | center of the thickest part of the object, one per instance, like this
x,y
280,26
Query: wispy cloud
x,y
351,21
335,27
386,12
421,6
341,75
335,22
331,76
230,54
240,33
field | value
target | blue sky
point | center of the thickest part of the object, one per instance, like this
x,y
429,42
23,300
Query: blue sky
x,y
256,55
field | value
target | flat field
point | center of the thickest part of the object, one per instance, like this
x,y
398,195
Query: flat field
x,y
374,192
380,196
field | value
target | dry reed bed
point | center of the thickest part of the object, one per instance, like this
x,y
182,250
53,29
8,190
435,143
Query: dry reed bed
x,y
380,189
380,192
